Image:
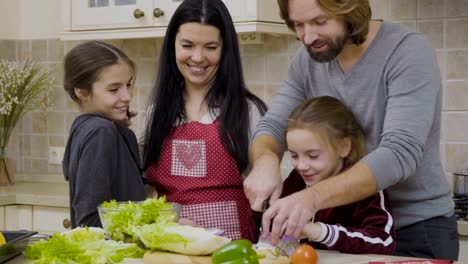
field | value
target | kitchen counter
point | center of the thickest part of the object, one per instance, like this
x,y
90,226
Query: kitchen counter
x,y
35,193
325,257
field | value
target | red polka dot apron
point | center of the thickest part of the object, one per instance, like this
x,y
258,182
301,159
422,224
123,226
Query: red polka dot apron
x,y
196,171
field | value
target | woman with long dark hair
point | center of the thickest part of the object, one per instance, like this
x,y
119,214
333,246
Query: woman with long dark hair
x,y
200,118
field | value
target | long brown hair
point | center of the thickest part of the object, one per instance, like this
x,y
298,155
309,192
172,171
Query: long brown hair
x,y
355,13
333,121
84,63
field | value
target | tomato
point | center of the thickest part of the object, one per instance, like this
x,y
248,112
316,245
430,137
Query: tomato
x,y
304,254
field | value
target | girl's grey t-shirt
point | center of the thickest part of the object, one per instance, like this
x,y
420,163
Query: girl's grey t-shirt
x,y
395,92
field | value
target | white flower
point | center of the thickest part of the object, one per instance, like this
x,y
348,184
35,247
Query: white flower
x,y
23,87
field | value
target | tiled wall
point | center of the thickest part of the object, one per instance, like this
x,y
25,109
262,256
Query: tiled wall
x,y
445,22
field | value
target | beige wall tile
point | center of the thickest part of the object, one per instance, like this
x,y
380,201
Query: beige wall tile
x,y
25,145
27,123
68,45
441,56
270,92
254,68
39,49
55,50
275,45
39,146
59,99
146,72
457,33
456,157
402,9
379,9
26,165
24,49
150,48
39,122
433,29
411,25
457,8
55,169
456,125
431,8
8,49
293,45
56,123
258,90
457,64
276,68
56,70
141,98
252,49
39,166
456,96
69,118
57,141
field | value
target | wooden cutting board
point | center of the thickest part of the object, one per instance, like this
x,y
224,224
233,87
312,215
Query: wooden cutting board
x,y
325,257
158,257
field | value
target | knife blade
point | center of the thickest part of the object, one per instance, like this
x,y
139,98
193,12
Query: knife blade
x,y
286,244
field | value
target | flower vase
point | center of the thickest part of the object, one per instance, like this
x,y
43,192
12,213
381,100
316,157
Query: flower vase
x,y
6,169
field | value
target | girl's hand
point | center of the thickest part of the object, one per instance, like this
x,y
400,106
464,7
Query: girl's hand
x,y
311,231
127,122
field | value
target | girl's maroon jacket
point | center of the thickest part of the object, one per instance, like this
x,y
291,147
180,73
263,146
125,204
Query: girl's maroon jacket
x,y
364,227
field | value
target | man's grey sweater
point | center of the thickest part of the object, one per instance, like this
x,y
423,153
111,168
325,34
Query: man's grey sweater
x,y
395,92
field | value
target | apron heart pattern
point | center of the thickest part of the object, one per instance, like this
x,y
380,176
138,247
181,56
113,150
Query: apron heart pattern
x,y
189,158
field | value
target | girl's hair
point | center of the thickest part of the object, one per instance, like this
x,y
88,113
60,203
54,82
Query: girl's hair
x,y
333,121
84,63
228,91
356,15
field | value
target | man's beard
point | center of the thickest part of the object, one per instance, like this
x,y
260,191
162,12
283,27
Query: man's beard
x,y
334,48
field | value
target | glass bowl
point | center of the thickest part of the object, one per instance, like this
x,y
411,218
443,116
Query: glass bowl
x,y
119,222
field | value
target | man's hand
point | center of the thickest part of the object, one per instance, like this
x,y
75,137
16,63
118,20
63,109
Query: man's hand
x,y
263,182
287,216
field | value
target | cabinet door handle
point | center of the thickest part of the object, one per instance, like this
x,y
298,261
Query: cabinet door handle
x,y
138,13
66,223
158,12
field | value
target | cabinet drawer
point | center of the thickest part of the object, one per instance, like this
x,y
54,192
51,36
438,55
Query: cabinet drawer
x,y
49,220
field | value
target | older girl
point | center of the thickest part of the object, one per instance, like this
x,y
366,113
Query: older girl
x,y
101,159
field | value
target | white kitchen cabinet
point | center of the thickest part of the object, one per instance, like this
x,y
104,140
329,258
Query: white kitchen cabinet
x,y
2,217
463,253
118,19
48,219
43,219
110,14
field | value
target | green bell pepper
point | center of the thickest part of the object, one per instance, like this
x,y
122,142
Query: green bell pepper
x,y
236,252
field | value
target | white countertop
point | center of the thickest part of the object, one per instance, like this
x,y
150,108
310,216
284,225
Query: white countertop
x,y
35,193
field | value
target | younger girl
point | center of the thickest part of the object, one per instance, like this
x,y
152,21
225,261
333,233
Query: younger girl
x,y
324,138
101,159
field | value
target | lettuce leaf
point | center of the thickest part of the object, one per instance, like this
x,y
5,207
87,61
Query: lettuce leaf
x,y
119,218
181,239
81,246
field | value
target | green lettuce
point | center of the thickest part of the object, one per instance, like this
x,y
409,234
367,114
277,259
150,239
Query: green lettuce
x,y
81,246
118,219
181,239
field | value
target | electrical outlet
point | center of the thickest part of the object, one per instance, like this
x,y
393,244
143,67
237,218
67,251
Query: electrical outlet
x,y
56,155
